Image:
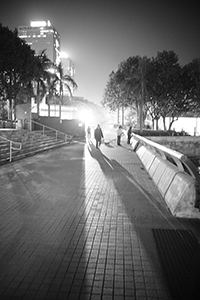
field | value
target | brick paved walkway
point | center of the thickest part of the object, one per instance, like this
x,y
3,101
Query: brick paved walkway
x,y
76,223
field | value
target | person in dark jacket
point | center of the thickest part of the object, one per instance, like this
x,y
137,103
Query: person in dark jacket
x,y
129,134
98,135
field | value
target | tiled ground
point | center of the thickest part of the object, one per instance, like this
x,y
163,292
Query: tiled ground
x,y
76,223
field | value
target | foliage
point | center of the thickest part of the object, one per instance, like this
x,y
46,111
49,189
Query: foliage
x,y
160,133
42,76
113,93
124,86
164,85
16,62
65,80
158,86
23,74
191,82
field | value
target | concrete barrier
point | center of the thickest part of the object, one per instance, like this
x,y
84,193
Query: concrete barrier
x,y
134,143
177,187
167,178
148,158
180,196
140,152
155,164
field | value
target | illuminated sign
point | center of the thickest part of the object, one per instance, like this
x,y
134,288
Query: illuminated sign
x,y
40,23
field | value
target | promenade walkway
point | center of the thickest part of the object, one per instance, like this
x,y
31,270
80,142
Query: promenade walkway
x,y
79,223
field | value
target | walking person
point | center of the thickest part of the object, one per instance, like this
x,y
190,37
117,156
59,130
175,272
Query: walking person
x,y
119,135
88,133
98,135
129,134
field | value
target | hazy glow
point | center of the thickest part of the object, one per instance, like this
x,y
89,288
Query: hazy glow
x,y
85,115
64,54
40,23
136,29
51,70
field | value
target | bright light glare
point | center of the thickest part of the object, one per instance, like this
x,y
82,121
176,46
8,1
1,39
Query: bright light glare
x,y
40,23
51,70
85,116
64,54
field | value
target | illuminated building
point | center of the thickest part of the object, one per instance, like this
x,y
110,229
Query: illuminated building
x,y
68,64
69,69
41,35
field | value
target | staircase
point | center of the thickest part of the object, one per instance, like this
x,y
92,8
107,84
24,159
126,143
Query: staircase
x,y
18,144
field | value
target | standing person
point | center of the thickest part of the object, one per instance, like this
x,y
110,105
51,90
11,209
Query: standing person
x,y
129,133
98,135
119,135
89,133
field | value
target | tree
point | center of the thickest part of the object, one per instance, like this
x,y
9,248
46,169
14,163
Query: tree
x,y
42,74
113,94
158,86
173,89
191,81
16,62
64,80
164,85
127,86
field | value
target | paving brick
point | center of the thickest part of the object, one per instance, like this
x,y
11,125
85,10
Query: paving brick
x,y
77,224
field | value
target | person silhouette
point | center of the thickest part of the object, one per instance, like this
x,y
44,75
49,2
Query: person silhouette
x,y
119,135
98,135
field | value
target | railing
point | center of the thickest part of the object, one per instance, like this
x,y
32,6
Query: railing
x,y
12,147
46,130
181,161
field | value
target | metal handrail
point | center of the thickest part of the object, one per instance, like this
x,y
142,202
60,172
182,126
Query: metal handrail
x,y
11,146
183,163
181,160
67,137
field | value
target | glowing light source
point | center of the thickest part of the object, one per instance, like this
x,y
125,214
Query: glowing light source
x,y
40,23
51,70
63,54
85,115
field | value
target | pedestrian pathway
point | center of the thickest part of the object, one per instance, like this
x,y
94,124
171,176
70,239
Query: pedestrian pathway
x,y
81,223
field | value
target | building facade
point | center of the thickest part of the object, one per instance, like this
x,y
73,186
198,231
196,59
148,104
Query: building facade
x,y
68,66
41,35
69,69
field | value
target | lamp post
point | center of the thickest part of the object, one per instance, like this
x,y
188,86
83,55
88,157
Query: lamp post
x,y
31,116
142,95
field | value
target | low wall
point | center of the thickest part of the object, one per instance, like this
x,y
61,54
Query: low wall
x,y
177,187
188,145
71,127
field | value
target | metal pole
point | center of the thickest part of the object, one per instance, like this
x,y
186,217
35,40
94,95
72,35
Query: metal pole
x,y
142,97
122,115
30,121
10,151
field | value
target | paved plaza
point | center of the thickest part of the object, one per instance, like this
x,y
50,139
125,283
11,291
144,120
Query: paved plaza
x,y
81,223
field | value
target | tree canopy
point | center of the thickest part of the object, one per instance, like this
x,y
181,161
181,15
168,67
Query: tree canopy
x,y
17,62
158,86
23,74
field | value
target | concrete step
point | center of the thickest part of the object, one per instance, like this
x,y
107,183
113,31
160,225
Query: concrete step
x,y
20,154
32,143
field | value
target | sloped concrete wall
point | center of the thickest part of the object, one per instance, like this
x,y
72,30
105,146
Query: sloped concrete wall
x,y
177,187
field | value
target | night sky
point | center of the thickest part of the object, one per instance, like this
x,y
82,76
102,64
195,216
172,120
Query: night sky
x,y
98,35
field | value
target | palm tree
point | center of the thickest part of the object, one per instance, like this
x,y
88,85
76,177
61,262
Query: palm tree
x,y
51,88
64,80
42,75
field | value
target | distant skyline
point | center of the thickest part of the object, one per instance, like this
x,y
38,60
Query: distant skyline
x,y
97,36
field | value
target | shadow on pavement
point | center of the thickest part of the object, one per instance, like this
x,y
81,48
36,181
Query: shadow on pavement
x,y
173,253
43,243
